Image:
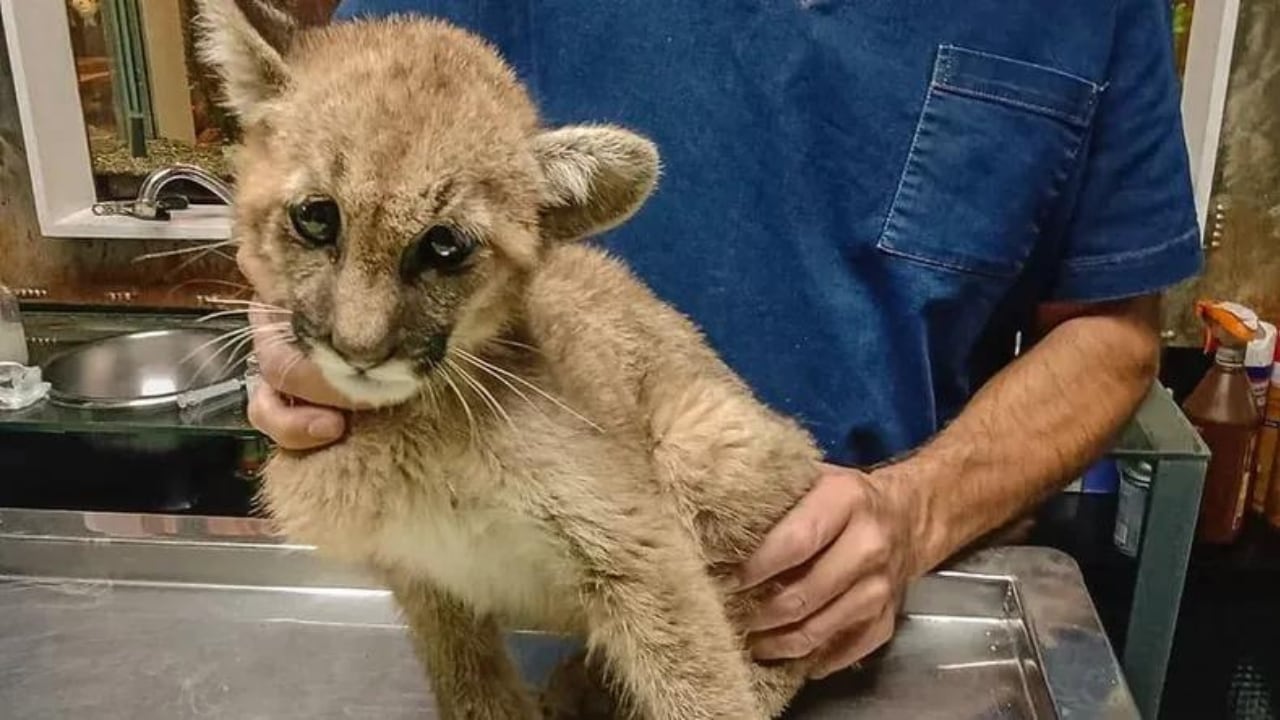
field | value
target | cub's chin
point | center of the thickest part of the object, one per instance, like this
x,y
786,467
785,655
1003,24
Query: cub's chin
x,y
391,383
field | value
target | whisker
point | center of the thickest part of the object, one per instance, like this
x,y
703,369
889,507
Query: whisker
x,y
515,344
232,336
237,341
265,347
214,281
240,287
559,403
435,398
429,387
248,303
223,336
239,352
468,381
464,355
241,311
471,420
186,263
277,337
484,393
274,332
422,393
200,248
218,353
284,376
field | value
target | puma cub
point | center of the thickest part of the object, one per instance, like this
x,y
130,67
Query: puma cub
x,y
550,446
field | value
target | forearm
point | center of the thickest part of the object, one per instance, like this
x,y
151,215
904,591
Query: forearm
x,y
1034,426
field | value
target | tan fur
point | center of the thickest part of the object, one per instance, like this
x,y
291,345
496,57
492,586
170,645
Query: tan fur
x,y
611,507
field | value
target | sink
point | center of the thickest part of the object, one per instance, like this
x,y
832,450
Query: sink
x,y
143,370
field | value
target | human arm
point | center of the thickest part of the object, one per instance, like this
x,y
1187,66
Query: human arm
x,y
1128,231
1035,426
857,539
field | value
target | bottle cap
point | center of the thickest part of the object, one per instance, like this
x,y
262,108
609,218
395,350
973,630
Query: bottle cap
x,y
1229,356
1139,472
1261,351
1229,323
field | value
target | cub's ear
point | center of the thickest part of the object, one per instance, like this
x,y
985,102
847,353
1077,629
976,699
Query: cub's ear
x,y
595,178
245,41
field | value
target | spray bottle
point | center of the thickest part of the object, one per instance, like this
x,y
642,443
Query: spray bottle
x,y
1223,411
1268,434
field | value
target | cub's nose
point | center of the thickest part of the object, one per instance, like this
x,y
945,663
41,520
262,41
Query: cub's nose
x,y
363,355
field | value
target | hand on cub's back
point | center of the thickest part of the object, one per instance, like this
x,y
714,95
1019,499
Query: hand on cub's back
x,y
294,405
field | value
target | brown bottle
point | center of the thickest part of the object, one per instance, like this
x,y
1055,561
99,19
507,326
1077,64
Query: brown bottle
x,y
1223,411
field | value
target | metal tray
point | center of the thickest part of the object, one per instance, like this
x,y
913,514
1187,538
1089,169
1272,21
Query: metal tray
x,y
142,617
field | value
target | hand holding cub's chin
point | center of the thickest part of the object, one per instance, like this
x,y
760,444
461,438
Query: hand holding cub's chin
x,y
293,405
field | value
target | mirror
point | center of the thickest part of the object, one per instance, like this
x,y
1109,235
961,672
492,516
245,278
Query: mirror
x,y
148,100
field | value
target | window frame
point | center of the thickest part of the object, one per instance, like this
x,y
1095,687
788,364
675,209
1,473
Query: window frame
x,y
57,145
1204,95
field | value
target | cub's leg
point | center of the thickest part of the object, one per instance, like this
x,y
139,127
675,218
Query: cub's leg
x,y
578,690
658,621
470,671
735,469
776,686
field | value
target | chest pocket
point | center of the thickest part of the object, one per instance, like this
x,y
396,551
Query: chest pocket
x,y
995,142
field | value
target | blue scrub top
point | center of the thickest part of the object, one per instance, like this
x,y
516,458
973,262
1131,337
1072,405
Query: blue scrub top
x,y
864,200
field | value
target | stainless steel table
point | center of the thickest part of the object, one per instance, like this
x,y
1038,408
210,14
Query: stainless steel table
x,y
147,617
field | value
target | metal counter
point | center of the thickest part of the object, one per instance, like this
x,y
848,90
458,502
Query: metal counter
x,y
148,617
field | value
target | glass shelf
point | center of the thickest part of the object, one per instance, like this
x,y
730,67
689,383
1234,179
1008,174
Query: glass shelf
x,y
221,416
50,333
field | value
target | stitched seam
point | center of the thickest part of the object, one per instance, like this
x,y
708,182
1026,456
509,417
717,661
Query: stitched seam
x,y
991,269
1035,107
1059,177
966,51
1093,261
1015,91
884,241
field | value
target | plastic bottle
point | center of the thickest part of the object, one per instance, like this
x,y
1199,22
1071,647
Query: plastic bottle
x,y
1264,463
1258,357
1223,411
13,340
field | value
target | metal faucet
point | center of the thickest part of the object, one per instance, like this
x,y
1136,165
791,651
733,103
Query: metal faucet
x,y
150,206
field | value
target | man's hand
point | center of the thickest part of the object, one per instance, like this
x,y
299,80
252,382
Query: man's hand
x,y
847,551
294,405
844,556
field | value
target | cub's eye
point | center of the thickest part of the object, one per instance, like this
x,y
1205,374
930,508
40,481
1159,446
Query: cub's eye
x,y
445,248
439,248
316,219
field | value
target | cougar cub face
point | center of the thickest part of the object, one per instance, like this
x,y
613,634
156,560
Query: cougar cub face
x,y
395,183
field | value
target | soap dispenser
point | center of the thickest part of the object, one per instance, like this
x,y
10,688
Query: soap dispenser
x,y
13,339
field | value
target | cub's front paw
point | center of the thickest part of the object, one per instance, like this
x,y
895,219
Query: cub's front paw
x,y
491,708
